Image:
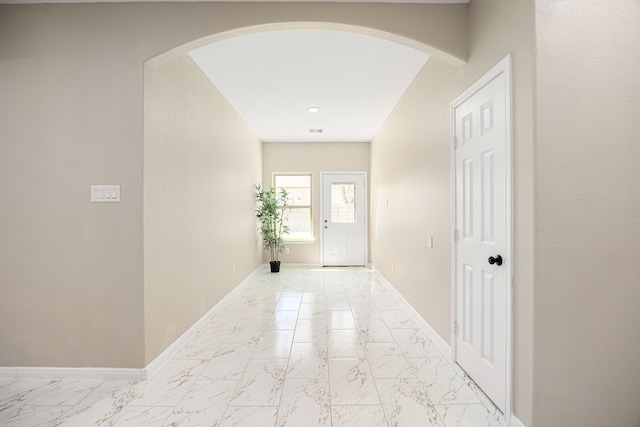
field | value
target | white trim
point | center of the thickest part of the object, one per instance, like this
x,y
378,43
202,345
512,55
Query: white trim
x,y
300,242
170,352
311,238
126,373
300,264
502,67
439,342
515,422
366,210
74,373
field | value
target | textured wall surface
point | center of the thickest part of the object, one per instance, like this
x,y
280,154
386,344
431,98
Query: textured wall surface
x,y
411,180
587,293
200,163
72,290
311,158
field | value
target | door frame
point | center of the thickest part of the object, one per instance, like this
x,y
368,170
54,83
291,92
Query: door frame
x,y
366,211
502,67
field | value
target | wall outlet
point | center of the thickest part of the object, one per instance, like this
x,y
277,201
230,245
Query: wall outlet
x,y
286,250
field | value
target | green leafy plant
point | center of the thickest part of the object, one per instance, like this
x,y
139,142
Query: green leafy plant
x,y
272,211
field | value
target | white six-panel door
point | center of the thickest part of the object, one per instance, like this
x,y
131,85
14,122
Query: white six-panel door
x,y
343,219
482,236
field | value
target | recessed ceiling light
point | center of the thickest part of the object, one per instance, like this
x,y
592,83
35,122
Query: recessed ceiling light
x,y
315,130
313,109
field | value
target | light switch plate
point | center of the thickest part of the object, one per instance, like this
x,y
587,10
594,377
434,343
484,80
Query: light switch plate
x,y
105,194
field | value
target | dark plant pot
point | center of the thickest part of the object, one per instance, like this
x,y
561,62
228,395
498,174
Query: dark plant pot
x,y
275,266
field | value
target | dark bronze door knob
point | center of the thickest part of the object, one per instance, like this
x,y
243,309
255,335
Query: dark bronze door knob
x,y
496,260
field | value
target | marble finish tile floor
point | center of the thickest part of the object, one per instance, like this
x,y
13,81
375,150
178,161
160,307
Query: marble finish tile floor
x,y
305,347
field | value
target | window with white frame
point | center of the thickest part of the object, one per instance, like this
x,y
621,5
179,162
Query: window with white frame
x,y
298,187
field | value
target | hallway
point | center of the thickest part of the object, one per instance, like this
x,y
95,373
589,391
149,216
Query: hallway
x,y
305,347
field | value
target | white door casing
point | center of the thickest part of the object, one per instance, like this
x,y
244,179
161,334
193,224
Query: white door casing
x,y
482,236
343,218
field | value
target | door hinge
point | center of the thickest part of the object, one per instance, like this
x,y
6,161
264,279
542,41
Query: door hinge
x,y
455,235
455,142
455,328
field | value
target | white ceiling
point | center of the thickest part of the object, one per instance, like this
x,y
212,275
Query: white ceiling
x,y
271,78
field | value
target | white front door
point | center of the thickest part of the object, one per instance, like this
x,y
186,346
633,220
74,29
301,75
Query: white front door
x,y
343,218
482,234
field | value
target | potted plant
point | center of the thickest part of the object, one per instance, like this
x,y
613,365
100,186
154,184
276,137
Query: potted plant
x,y
272,211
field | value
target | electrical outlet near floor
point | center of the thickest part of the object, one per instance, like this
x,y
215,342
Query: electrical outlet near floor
x,y
286,250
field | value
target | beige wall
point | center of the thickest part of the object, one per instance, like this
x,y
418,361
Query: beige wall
x,y
200,162
587,171
410,196
72,284
314,158
496,28
410,169
71,115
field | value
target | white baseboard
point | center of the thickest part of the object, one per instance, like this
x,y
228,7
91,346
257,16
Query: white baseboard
x,y
515,422
123,373
74,373
170,352
437,340
298,264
